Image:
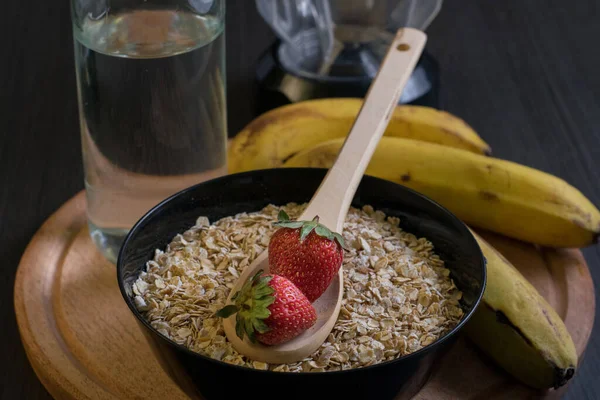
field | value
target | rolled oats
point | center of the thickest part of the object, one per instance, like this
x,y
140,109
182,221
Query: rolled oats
x,y
398,296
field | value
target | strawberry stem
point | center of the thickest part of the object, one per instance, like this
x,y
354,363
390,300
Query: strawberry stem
x,y
251,306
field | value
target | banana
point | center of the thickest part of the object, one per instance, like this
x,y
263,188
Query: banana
x,y
517,328
280,133
485,192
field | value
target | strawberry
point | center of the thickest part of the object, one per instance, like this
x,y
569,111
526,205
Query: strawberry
x,y
270,309
307,253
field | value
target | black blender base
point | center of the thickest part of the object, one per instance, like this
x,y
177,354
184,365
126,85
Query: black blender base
x,y
278,87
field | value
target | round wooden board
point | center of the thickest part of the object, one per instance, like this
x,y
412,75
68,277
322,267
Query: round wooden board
x,y
83,343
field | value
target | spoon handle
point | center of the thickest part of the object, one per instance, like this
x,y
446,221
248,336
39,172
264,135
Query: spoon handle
x,y
334,195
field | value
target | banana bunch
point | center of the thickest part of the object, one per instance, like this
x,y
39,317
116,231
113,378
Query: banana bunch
x,y
280,133
434,153
439,155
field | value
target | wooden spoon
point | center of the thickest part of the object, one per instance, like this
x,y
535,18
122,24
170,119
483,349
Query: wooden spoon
x,y
334,196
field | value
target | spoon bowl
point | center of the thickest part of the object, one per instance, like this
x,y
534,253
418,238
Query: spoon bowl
x,y
333,197
304,343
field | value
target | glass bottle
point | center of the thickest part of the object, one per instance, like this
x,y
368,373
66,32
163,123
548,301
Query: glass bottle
x,y
152,107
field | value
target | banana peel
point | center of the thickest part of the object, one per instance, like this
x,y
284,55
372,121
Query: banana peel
x,y
517,327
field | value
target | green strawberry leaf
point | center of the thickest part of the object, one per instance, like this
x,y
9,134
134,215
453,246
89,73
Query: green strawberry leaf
x,y
239,326
266,302
260,326
282,216
260,314
245,288
289,224
261,292
249,329
256,276
340,240
323,231
227,311
307,228
262,281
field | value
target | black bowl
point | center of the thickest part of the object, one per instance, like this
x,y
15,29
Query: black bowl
x,y
206,378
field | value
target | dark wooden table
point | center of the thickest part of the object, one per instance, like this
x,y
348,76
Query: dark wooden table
x,y
524,74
